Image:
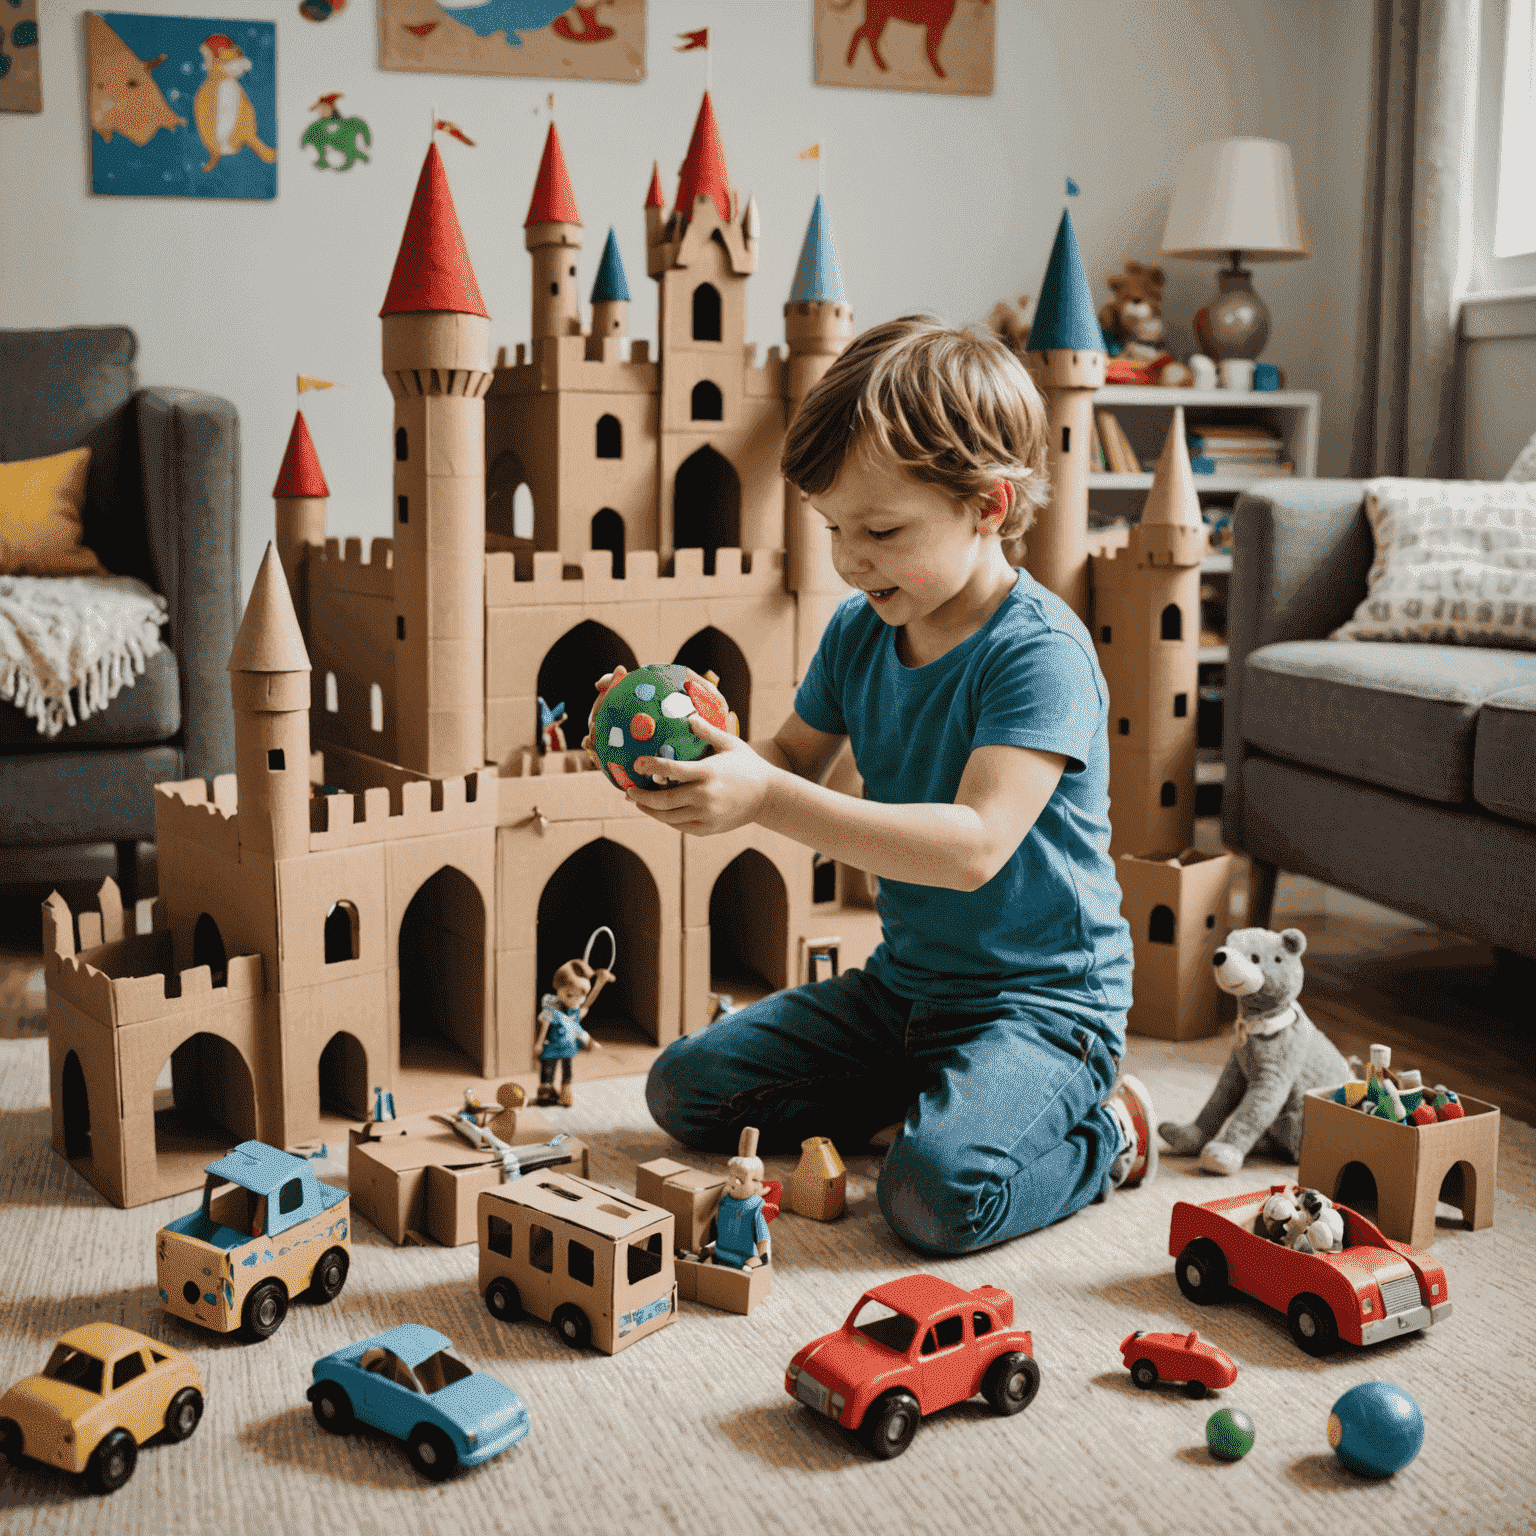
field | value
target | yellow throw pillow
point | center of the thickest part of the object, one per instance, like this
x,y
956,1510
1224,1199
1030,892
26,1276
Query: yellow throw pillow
x,y
40,501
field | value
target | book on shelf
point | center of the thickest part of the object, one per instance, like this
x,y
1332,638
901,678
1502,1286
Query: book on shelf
x,y
1097,463
1201,465
1118,453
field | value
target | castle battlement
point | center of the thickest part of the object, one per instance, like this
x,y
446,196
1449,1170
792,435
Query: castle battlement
x,y
409,808
553,580
559,364
760,381
341,568
184,810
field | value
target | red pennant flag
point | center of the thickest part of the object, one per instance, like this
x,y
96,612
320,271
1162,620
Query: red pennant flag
x,y
692,40
442,125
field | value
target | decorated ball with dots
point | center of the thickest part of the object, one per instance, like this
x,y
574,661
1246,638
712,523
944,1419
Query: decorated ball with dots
x,y
646,713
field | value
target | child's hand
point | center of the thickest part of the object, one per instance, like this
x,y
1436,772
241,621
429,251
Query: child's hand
x,y
715,794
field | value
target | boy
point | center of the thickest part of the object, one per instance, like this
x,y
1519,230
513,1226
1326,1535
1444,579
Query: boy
x,y
991,1018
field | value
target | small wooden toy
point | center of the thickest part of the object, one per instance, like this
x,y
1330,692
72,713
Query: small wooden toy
x,y
1229,1433
267,1230
1370,1291
1177,1357
405,1383
104,1391
909,1348
741,1228
1376,1429
645,713
560,1034
551,719
818,1187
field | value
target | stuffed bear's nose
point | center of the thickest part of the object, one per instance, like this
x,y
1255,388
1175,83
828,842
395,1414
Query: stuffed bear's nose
x,y
1219,958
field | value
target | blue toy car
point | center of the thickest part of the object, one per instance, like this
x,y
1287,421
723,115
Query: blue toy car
x,y
407,1384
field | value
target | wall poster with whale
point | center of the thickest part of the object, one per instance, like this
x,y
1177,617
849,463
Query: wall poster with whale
x,y
182,106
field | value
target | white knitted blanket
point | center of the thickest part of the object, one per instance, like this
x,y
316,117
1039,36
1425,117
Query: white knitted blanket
x,y
70,644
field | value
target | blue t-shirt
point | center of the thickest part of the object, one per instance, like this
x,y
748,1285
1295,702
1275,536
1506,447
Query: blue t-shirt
x,y
1048,924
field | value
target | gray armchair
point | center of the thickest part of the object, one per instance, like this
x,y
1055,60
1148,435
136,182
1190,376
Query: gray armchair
x,y
1404,773
162,503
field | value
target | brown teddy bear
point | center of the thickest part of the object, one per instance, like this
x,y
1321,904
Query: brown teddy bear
x,y
1134,318
1008,321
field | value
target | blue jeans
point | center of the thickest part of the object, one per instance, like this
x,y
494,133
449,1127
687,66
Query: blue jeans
x,y
1003,1125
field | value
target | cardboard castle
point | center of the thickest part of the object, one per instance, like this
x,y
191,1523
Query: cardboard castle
x,y
394,871
1142,605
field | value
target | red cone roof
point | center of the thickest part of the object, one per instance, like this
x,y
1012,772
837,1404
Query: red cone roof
x,y
433,270
553,200
301,474
704,173
655,198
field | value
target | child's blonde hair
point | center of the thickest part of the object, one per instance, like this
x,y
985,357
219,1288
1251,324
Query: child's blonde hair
x,y
955,408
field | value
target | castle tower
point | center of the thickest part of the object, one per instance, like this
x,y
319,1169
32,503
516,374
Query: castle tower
x,y
1146,617
269,687
1066,356
655,221
610,306
818,324
436,361
552,233
300,496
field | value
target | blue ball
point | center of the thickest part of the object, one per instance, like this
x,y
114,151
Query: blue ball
x,y
1376,1429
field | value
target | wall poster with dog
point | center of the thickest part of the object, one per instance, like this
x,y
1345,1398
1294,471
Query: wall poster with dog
x,y
182,106
907,45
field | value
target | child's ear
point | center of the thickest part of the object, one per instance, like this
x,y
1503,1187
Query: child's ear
x,y
996,509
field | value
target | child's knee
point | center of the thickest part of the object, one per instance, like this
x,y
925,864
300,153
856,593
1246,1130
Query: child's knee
x,y
924,1199
672,1094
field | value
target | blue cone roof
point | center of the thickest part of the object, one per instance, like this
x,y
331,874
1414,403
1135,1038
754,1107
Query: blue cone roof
x,y
1064,318
818,278
610,283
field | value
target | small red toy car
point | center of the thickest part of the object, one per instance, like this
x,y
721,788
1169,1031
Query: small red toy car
x,y
909,1348
1180,1357
1373,1289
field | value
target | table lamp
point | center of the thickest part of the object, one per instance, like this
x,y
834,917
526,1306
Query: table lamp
x,y
1235,198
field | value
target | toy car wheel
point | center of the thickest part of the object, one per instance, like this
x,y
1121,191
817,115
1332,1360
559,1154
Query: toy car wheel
x,y
1195,1389
184,1414
264,1311
502,1300
572,1326
1144,1374
890,1423
112,1462
1202,1272
11,1441
431,1452
330,1275
1313,1324
333,1408
1011,1382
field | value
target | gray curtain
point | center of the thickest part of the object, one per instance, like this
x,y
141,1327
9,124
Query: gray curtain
x,y
1418,236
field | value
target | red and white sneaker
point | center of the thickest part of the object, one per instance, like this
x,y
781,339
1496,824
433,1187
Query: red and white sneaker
x,y
1136,1161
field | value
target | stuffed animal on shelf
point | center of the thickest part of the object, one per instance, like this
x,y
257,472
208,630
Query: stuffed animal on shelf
x,y
1280,1055
1007,320
1132,323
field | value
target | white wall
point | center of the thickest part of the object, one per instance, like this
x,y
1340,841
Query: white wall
x,y
944,203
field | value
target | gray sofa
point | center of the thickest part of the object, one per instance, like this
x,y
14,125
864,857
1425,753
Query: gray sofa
x,y
162,503
1404,773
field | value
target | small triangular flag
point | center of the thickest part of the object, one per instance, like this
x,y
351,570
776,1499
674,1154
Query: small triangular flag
x,y
1072,187
442,125
307,381
692,40
813,153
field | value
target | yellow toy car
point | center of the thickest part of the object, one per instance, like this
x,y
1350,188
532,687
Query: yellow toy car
x,y
104,1391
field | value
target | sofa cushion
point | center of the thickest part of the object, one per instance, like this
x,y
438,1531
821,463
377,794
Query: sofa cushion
x,y
101,795
148,711
1401,716
1504,766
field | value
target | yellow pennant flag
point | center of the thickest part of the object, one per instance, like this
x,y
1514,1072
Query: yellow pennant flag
x,y
813,153
307,382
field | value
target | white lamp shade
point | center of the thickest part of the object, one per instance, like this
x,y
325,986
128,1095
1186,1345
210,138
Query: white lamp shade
x,y
1236,195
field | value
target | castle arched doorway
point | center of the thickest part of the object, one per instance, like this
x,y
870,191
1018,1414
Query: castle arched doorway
x,y
442,976
344,1077
712,650
205,1102
608,533
748,929
76,1109
571,668
603,884
706,505
208,949
502,480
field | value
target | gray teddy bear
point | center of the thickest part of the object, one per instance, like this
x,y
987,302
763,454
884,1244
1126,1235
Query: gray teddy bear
x,y
1280,1055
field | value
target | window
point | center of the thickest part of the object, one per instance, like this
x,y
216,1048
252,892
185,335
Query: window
x,y
1066,439
706,403
1504,206
645,1261
706,312
332,700
610,437
950,1331
402,445
1169,794
895,1330
579,1262
522,512
375,707
290,1197
1123,726
126,1369
399,626
1180,705
1104,634
341,927
498,1236
275,759
981,1322
403,507
1160,925
1173,623
74,1368
541,1248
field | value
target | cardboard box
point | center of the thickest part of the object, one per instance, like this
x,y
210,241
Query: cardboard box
x,y
418,1175
691,1196
721,1286
1410,1163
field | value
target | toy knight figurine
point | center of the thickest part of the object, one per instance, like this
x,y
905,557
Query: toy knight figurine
x,y
741,1229
560,1033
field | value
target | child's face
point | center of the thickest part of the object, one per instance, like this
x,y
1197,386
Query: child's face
x,y
907,546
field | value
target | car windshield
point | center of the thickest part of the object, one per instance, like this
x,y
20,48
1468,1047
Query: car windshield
x,y
894,1330
234,1206
75,1367
441,1370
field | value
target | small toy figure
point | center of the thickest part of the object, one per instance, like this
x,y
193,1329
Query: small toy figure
x,y
741,1229
560,1033
551,737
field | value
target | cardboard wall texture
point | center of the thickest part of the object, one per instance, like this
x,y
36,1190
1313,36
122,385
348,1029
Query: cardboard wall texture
x,y
550,518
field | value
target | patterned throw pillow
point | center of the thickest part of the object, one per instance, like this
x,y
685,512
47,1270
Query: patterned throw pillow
x,y
40,501
1524,467
1455,564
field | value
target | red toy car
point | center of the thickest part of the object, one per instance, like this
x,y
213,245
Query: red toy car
x,y
1181,1357
1373,1289
910,1348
